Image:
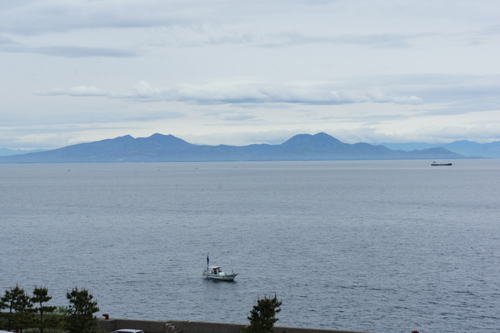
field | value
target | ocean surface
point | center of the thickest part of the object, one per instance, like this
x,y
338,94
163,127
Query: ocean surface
x,y
378,246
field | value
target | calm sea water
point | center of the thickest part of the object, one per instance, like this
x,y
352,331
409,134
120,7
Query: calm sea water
x,y
380,246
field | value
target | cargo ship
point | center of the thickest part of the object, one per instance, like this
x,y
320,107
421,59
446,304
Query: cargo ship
x,y
434,163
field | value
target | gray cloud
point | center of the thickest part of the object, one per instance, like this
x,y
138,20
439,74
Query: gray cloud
x,y
237,117
452,94
6,41
156,115
82,120
457,93
82,52
293,38
63,16
373,40
256,64
69,51
491,30
59,16
462,93
81,91
228,93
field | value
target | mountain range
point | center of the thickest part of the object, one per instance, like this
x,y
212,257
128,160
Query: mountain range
x,y
168,148
463,147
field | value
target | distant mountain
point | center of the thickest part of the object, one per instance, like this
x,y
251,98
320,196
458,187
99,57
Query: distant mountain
x,y
473,149
9,152
462,147
168,148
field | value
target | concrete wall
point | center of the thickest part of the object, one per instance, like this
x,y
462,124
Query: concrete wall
x,y
204,327
194,327
147,326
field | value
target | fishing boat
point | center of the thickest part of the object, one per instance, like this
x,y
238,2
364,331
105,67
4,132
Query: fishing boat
x,y
434,163
215,273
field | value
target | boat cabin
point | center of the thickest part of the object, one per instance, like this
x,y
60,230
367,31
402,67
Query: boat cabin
x,y
214,269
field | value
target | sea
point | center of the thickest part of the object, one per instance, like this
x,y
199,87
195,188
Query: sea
x,y
372,246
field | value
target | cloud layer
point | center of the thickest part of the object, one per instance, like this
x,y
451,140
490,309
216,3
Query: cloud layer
x,y
256,70
223,93
69,51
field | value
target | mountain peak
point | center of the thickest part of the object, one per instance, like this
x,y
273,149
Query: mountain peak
x,y
163,141
159,135
163,137
319,140
121,138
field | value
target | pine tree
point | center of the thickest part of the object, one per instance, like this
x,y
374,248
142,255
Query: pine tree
x,y
263,315
81,311
19,305
22,317
8,301
40,297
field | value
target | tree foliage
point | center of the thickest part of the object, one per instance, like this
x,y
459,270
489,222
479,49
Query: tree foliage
x,y
80,318
61,313
42,320
19,305
263,315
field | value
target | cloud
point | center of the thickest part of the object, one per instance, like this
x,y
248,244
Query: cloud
x,y
287,39
82,52
86,91
69,51
216,19
461,93
491,30
80,91
47,16
236,117
217,36
450,94
227,93
6,41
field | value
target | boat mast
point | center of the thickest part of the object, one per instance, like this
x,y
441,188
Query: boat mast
x,y
208,260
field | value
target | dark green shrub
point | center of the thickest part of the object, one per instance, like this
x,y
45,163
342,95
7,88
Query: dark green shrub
x,y
19,306
42,320
263,315
80,318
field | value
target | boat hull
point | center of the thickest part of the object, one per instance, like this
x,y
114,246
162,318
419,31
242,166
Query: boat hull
x,y
229,277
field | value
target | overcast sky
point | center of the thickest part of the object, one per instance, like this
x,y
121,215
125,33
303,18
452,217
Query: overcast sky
x,y
241,72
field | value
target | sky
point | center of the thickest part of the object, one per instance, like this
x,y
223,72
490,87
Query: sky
x,y
242,72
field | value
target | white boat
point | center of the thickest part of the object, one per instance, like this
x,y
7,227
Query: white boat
x,y
215,273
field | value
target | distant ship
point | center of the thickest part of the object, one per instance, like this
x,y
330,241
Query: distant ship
x,y
434,163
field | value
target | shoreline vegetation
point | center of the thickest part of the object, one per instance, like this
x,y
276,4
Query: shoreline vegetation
x,y
32,313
